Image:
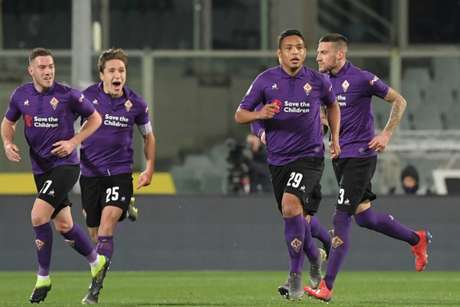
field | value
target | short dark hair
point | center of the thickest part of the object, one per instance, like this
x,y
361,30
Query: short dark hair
x,y
289,32
36,52
111,54
334,38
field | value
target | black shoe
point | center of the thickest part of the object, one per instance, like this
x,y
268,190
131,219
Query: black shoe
x,y
92,296
39,294
284,290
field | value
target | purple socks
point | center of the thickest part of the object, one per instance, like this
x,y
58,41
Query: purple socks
x,y
340,246
105,246
386,224
294,233
43,244
80,242
320,233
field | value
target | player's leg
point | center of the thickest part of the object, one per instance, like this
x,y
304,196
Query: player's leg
x,y
75,236
52,188
317,230
386,224
109,219
40,217
116,194
351,189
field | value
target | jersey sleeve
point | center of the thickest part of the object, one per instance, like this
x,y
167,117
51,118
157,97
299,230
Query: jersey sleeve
x,y
13,113
142,116
254,96
80,104
257,126
328,95
376,86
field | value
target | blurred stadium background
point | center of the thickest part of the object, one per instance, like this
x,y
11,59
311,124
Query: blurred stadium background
x,y
193,60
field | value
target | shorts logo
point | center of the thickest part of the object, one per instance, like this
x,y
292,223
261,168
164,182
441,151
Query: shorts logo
x,y
54,103
307,88
128,105
336,242
39,244
296,244
71,243
345,85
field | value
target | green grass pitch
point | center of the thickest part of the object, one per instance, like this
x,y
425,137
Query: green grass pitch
x,y
363,289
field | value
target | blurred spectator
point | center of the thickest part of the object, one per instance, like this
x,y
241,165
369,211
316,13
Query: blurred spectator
x,y
259,174
410,181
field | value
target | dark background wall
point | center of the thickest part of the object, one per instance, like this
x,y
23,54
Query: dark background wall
x,y
232,233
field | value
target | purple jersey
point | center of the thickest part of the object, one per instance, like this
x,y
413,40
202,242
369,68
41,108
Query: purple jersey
x,y
109,150
296,131
48,118
354,89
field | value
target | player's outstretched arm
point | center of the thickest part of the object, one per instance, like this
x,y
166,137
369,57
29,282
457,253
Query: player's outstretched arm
x,y
65,147
149,152
333,118
8,131
381,140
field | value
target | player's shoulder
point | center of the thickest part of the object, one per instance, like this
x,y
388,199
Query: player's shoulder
x,y
92,90
22,90
134,97
63,88
360,73
269,74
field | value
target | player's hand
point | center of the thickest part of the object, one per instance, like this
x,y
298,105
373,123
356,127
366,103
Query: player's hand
x,y
268,111
145,178
380,141
334,149
63,148
12,152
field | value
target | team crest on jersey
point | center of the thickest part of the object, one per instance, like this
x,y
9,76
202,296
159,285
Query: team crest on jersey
x,y
128,105
307,88
26,103
95,101
39,244
82,97
375,79
296,244
274,86
54,103
345,85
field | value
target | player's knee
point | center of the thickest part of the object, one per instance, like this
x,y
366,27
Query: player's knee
x,y
291,205
38,220
63,226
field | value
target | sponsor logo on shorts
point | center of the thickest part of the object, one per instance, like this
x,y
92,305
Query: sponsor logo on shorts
x,y
71,243
336,242
296,244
